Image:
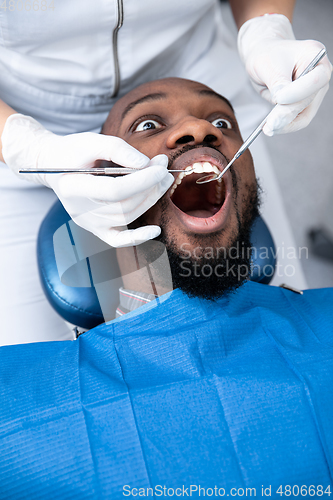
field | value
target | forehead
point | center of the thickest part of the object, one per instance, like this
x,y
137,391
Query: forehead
x,y
166,90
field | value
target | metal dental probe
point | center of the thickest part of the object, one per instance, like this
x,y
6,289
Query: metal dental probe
x,y
95,171
258,130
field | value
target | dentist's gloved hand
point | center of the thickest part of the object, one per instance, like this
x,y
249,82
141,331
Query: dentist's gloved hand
x,y
102,205
273,59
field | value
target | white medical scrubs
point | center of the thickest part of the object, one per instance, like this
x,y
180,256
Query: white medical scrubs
x,y
65,66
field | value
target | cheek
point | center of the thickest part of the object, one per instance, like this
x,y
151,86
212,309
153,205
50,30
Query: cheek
x,y
246,179
245,169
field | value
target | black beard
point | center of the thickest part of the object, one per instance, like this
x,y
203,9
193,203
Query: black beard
x,y
218,272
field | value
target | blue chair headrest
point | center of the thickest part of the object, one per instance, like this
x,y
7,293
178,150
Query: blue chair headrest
x,y
73,263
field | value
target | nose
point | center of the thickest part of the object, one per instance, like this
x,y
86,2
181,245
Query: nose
x,y
194,131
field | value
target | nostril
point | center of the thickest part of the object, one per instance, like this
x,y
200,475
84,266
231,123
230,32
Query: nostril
x,y
185,139
210,138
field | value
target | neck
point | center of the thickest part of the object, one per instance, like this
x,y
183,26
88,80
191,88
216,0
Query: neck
x,y
145,268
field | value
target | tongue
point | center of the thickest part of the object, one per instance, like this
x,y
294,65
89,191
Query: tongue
x,y
197,201
203,214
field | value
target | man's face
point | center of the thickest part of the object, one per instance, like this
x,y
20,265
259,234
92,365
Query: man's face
x,y
192,125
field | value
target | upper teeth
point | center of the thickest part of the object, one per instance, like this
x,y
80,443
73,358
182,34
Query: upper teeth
x,y
196,168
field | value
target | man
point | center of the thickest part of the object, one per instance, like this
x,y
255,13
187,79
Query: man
x,y
201,224
202,393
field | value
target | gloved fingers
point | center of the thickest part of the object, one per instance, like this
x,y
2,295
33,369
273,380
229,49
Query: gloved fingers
x,y
292,117
285,60
304,117
271,69
116,214
274,60
130,212
305,86
103,189
95,216
281,116
120,213
123,237
162,160
120,152
273,83
275,69
148,193
132,208
118,236
263,91
99,220
82,150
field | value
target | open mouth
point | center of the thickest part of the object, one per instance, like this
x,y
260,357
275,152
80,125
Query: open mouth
x,y
201,208
202,201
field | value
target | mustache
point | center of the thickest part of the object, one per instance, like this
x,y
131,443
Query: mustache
x,y
189,147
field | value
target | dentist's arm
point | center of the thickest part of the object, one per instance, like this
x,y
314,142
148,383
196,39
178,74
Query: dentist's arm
x,y
273,59
243,10
102,205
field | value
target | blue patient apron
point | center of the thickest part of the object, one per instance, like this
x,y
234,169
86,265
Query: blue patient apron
x,y
232,394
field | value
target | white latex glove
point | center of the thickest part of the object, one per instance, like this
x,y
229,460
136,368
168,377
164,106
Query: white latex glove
x,y
273,59
102,205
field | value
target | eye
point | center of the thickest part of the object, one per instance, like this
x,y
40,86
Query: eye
x,y
221,123
147,125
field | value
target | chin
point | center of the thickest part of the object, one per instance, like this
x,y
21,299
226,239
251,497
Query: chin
x,y
208,264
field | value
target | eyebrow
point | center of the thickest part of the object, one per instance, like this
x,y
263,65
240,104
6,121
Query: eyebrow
x,y
146,98
157,96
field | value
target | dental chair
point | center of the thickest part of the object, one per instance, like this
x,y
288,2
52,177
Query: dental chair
x,y
78,270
